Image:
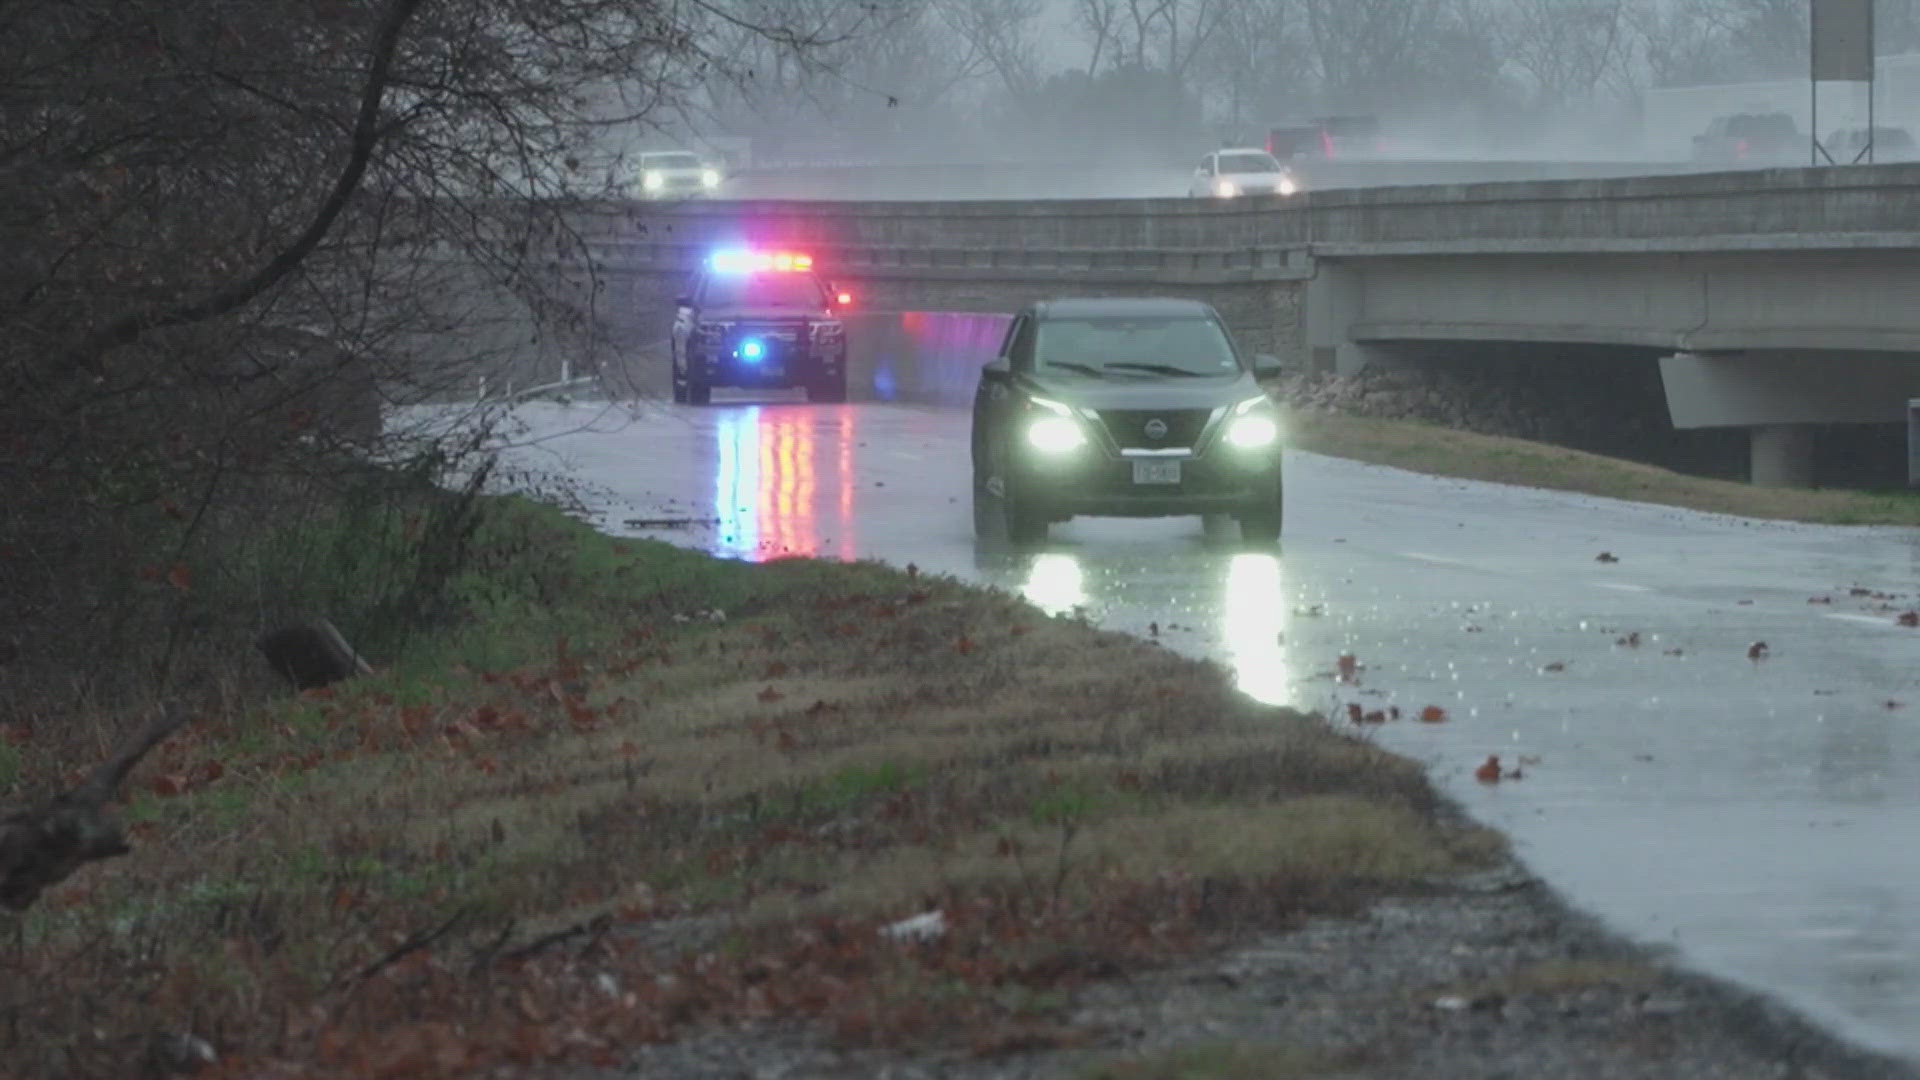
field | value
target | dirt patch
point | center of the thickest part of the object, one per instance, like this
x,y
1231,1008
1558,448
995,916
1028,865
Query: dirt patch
x,y
1484,975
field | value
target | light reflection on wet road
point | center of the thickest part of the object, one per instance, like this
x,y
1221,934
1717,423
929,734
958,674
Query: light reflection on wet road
x,y
1756,814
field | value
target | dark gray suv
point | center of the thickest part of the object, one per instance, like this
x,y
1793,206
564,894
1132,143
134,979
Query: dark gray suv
x,y
1123,408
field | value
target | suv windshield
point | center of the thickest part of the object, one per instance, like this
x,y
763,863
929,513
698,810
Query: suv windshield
x,y
669,161
763,290
1126,347
1248,163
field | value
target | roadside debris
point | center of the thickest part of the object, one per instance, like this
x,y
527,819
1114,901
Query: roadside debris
x,y
311,654
923,927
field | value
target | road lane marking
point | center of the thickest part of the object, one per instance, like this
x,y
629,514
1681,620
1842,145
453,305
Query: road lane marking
x,y
1846,616
1439,559
1621,586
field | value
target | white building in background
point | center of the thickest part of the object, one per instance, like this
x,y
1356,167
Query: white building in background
x,y
1671,116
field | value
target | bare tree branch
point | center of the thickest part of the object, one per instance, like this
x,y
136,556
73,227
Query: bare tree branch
x,y
43,846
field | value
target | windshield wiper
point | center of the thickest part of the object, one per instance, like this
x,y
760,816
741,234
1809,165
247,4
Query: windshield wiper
x,y
1159,369
1083,369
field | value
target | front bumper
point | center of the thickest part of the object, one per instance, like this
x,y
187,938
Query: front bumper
x,y
1092,482
676,189
793,365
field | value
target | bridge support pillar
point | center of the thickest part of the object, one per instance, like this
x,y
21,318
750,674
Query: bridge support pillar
x,y
1335,299
1782,455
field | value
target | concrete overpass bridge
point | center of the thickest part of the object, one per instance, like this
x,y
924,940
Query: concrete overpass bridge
x,y
1778,300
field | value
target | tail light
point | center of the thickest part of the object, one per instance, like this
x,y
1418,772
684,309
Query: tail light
x,y
844,299
1740,148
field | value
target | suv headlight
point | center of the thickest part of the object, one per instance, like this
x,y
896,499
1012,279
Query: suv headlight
x,y
1051,427
653,180
1226,189
709,178
1252,424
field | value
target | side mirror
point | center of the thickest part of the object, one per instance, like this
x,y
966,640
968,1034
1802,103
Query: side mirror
x,y
1268,367
998,369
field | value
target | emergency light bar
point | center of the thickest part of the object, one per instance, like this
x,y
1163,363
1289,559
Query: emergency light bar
x,y
744,261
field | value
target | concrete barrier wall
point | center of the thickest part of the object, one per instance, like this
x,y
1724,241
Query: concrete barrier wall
x,y
921,357
1174,240
1083,180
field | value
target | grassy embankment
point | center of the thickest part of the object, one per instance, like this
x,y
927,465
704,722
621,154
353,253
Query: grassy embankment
x,y
1443,451
592,812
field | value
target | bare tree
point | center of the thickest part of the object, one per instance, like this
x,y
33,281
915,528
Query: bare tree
x,y
1256,60
1371,53
1163,35
1001,33
225,223
1100,19
1569,50
902,80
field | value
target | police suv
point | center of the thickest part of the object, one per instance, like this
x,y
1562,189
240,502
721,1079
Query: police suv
x,y
759,320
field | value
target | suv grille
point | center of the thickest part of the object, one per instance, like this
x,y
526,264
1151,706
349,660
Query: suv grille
x,y
1129,427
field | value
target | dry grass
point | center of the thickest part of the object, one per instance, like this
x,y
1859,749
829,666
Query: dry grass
x,y
1443,451
723,815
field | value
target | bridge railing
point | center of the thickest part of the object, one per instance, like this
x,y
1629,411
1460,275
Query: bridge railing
x,y
1774,208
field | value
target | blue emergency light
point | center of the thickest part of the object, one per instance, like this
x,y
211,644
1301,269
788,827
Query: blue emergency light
x,y
752,349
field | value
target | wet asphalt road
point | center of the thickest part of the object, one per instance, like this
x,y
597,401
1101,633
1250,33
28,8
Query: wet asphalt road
x,y
1757,814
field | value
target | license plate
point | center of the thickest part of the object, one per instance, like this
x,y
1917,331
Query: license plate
x,y
1156,472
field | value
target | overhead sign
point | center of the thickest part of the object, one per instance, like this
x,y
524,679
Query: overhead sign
x,y
1842,40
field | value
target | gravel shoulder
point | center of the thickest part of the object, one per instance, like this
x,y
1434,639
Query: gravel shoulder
x,y
1489,975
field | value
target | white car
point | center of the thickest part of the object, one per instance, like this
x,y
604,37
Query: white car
x,y
1228,174
670,174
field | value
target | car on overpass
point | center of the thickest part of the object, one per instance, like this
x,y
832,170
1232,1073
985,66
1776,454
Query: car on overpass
x,y
1752,138
1231,173
676,174
1325,138
758,319
1123,408
1856,146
